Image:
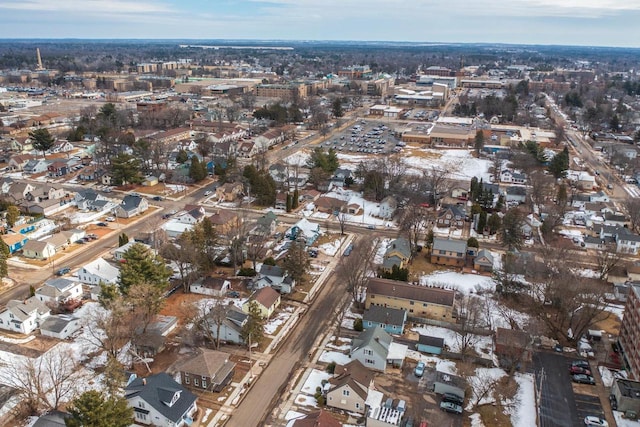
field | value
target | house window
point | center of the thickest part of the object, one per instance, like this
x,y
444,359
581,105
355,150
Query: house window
x,y
369,361
383,325
368,352
357,405
140,416
411,302
345,392
141,404
186,379
441,252
195,381
204,383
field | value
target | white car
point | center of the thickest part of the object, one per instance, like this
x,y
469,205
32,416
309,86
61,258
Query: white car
x,y
595,421
208,193
110,218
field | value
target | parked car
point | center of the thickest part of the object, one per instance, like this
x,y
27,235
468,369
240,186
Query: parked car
x,y
102,224
110,218
208,193
80,242
613,401
419,371
348,250
595,421
579,370
158,198
233,294
451,407
63,271
581,363
453,398
371,227
583,379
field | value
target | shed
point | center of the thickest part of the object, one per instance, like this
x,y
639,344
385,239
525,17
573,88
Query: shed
x,y
429,344
448,383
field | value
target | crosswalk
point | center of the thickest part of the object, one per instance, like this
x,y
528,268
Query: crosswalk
x,y
633,190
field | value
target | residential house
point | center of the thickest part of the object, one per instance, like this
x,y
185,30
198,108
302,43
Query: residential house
x,y
131,206
160,401
15,242
60,240
98,271
511,177
35,166
19,161
429,344
60,326
51,419
515,195
305,231
451,216
349,387
275,277
372,348
193,216
391,320
57,168
38,249
266,224
388,207
330,205
418,301
512,347
599,197
59,291
231,327
150,342
460,193
229,192
616,219
118,253
210,370
212,286
627,242
340,176
86,199
225,220
23,316
247,149
266,299
398,254
483,262
320,418
449,383
450,252
62,146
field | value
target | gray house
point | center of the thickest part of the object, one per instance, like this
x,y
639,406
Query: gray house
x,y
231,326
274,277
515,194
131,206
371,348
391,320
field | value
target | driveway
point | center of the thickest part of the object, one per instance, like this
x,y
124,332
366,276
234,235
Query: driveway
x,y
561,405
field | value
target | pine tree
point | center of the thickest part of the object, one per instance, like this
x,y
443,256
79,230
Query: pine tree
x,y
123,239
141,265
94,409
252,332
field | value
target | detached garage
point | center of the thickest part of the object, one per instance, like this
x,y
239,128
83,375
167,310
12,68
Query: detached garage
x,y
60,326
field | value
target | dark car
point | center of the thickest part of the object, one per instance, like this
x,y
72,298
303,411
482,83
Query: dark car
x,y
157,198
583,379
80,242
63,271
453,398
613,401
581,363
451,407
348,250
233,294
579,370
102,224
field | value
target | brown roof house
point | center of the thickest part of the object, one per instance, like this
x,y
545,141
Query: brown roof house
x,y
349,387
267,300
315,419
512,347
229,192
417,301
210,370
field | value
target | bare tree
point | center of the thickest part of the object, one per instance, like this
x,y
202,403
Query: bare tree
x,y
145,301
607,259
110,329
256,244
44,382
495,168
482,381
541,187
357,268
632,206
342,217
470,318
183,254
437,180
414,220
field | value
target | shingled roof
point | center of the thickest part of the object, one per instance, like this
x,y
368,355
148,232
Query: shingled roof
x,y
403,290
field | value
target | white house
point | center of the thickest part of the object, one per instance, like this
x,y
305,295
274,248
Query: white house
x,y
194,216
98,271
160,401
59,290
627,242
388,207
60,326
511,177
213,286
38,249
23,316
231,326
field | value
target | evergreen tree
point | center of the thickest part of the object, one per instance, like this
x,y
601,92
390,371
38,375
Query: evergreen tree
x,y
296,196
197,170
41,140
482,222
182,157
494,223
141,265
126,169
296,262
336,108
123,239
289,202
511,235
12,215
560,163
252,332
94,409
478,142
5,253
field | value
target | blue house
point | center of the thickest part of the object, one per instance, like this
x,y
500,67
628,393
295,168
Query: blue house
x,y
431,345
15,242
392,320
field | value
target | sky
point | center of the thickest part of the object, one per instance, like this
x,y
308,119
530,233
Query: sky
x,y
557,22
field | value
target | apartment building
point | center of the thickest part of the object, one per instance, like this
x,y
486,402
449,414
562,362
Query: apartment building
x,y
286,92
629,339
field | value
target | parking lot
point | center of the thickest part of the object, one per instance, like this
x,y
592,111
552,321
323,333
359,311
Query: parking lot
x,y
562,403
366,137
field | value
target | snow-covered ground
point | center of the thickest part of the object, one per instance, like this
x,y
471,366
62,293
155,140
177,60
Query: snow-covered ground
x,y
342,344
331,248
304,400
478,384
525,413
272,325
314,381
465,283
334,356
623,422
481,344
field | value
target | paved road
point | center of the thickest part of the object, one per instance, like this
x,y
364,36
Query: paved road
x,y
254,409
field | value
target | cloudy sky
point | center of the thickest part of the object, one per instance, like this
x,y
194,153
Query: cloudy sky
x,y
573,22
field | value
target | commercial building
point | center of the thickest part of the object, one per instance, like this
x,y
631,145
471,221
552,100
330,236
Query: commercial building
x,y
629,339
